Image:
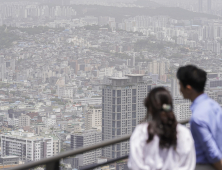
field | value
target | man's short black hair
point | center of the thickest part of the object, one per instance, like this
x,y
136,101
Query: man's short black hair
x,y
193,76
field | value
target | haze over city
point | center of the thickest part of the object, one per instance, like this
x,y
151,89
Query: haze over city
x,y
74,73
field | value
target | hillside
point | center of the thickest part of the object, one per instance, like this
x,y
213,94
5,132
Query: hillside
x,y
147,3
120,13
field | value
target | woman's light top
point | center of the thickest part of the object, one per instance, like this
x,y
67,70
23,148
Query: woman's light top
x,y
149,156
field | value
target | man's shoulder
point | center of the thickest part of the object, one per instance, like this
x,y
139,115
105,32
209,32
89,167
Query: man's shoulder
x,y
206,105
205,109
203,106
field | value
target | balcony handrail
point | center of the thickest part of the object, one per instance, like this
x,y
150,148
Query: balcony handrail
x,y
104,163
57,158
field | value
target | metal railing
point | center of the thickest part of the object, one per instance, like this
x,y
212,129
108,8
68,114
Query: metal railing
x,y
54,162
105,163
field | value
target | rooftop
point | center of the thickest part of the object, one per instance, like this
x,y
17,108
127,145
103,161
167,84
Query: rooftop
x,y
28,136
8,157
118,78
135,75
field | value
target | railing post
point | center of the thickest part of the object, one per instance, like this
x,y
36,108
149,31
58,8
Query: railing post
x,y
53,165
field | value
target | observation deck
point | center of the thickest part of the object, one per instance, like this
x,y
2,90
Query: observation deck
x,y
53,163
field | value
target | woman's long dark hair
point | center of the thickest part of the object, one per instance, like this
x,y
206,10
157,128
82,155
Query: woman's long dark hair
x,y
163,124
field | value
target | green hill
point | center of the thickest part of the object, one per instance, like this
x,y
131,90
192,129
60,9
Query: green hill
x,y
120,13
7,38
147,3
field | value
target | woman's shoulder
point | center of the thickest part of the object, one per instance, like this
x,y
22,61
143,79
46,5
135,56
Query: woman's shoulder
x,y
140,132
184,139
183,134
142,127
183,131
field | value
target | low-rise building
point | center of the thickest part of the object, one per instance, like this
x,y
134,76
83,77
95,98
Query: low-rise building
x,y
84,139
9,160
24,120
26,145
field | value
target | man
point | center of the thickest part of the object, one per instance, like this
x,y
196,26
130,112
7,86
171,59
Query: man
x,y
206,119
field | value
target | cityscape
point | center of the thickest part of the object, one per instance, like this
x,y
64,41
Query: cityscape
x,y
74,73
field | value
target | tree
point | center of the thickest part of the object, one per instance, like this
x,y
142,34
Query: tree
x,y
175,39
185,50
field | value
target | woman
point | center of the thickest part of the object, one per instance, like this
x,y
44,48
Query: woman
x,y
161,144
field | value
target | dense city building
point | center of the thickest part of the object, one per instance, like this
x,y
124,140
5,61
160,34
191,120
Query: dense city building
x,y
76,73
122,110
87,138
93,118
26,145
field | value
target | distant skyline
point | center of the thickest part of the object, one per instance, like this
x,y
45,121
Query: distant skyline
x,y
74,70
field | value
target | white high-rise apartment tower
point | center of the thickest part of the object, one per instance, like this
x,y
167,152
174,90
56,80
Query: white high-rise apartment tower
x,y
93,118
159,68
181,108
175,89
122,109
2,70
